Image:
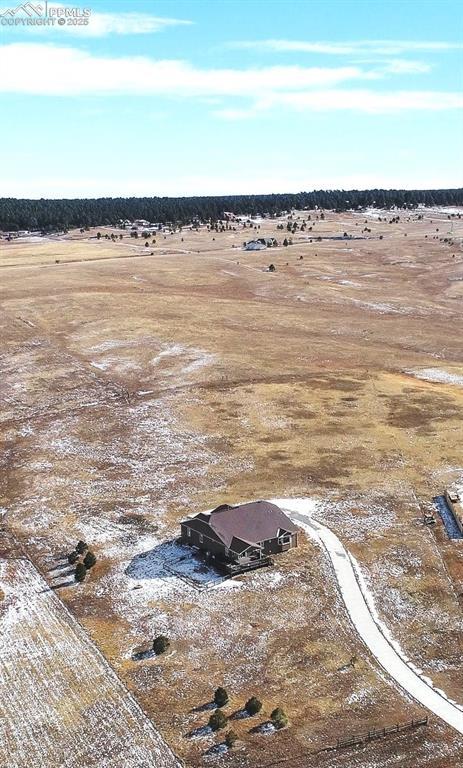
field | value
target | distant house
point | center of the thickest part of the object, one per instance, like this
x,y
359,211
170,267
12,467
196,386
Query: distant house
x,y
260,243
245,535
255,245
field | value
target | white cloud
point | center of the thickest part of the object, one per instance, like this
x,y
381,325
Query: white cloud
x,y
103,24
374,102
405,67
65,71
353,48
52,70
354,100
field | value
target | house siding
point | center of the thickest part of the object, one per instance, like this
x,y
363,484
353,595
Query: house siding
x,y
274,546
206,545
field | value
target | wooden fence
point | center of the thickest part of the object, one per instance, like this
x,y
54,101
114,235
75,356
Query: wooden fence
x,y
379,733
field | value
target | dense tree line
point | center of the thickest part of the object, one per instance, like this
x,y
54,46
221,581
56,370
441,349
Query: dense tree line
x,y
48,215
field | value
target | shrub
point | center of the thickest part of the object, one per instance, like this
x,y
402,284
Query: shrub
x,y
72,557
253,706
81,572
160,644
279,718
220,697
81,547
230,738
89,559
217,720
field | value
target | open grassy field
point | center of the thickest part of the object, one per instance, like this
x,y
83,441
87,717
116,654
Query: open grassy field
x,y
61,703
142,384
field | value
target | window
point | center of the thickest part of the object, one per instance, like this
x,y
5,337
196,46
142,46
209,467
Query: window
x,y
188,532
201,538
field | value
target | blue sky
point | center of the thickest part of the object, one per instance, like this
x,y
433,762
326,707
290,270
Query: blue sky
x,y
233,96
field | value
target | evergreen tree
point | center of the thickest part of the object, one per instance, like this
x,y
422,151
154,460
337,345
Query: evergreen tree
x,y
89,560
220,697
279,718
217,720
53,215
230,738
80,572
160,644
253,706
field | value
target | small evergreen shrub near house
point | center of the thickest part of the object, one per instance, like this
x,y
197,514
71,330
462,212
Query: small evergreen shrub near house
x,y
253,706
279,718
72,557
220,697
230,738
89,559
81,572
81,547
217,720
160,644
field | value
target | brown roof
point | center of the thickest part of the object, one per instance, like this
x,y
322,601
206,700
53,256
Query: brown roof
x,y
252,523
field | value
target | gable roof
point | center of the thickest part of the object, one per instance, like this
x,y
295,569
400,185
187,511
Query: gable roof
x,y
250,523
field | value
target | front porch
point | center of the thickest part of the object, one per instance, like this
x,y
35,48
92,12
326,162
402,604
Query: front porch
x,y
234,569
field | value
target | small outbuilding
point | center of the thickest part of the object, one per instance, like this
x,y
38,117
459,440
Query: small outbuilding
x,y
240,537
455,505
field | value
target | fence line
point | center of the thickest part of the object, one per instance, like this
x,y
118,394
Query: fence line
x,y
379,733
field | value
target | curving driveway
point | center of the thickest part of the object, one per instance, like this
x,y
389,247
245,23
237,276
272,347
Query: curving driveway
x,y
359,604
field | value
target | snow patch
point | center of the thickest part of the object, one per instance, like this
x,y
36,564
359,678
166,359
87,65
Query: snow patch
x,y
437,375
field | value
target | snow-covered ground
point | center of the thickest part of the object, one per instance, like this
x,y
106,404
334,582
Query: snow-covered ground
x,y
438,375
360,606
62,705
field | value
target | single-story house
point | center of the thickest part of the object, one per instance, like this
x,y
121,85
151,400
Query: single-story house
x,y
260,244
242,534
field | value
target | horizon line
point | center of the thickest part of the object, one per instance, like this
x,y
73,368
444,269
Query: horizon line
x,y
243,194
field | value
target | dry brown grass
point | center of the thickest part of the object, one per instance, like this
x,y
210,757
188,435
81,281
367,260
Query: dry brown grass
x,y
138,388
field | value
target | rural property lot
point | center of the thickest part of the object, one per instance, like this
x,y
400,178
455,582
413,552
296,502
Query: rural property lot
x,y
142,384
62,704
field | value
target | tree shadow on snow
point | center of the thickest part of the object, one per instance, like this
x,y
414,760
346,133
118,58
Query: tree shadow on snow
x,y
60,584
60,567
140,654
200,732
68,583
240,714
